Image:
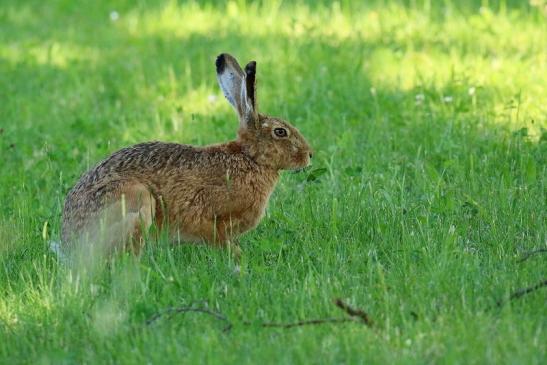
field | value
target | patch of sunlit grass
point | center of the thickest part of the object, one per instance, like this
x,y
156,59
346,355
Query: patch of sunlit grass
x,y
8,315
54,53
400,47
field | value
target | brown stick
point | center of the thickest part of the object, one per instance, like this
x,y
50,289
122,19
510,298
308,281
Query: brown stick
x,y
301,323
176,310
356,315
352,312
529,254
522,292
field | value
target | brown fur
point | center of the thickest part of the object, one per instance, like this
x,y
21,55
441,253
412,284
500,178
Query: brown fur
x,y
213,193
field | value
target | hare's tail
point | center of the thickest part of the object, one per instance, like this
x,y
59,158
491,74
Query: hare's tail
x,y
55,247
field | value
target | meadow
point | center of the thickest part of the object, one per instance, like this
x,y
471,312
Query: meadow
x,y
425,206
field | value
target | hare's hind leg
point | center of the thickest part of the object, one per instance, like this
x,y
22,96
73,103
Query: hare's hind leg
x,y
131,216
140,216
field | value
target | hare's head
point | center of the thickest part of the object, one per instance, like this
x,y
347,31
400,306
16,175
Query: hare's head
x,y
272,142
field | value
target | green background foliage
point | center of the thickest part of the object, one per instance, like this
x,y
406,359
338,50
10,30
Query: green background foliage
x,y
428,121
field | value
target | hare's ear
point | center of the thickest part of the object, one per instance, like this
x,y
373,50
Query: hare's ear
x,y
239,88
250,86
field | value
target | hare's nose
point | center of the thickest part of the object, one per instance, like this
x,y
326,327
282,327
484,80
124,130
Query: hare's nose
x,y
311,154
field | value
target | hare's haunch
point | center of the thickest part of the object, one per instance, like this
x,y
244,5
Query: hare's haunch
x,y
212,193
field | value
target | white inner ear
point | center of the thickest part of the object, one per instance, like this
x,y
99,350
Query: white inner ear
x,y
229,83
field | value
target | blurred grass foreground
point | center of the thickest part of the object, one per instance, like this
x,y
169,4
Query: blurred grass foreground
x,y
426,205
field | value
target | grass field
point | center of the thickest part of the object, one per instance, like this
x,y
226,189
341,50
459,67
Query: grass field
x,y
429,182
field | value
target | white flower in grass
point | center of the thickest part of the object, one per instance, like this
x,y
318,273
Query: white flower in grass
x,y
419,98
114,15
447,99
408,342
471,91
212,98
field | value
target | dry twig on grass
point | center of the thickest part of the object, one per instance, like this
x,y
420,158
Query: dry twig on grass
x,y
301,323
176,310
521,292
529,254
354,312
355,315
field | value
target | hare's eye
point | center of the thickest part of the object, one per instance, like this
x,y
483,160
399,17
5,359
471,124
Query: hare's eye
x,y
280,132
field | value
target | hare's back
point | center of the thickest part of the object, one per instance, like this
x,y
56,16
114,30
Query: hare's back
x,y
143,158
144,163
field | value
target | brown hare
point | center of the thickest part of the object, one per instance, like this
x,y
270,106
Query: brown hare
x,y
207,194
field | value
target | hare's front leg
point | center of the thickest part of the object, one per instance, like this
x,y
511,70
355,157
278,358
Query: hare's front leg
x,y
225,233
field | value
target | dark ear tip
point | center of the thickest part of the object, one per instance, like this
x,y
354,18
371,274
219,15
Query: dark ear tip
x,y
220,63
250,69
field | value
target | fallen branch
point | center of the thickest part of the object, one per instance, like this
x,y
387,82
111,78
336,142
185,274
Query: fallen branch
x,y
529,254
356,316
301,323
176,310
352,312
521,292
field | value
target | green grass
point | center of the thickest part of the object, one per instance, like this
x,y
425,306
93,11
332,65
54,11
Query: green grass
x,y
428,117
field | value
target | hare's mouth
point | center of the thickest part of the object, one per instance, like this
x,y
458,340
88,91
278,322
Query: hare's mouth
x,y
301,169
